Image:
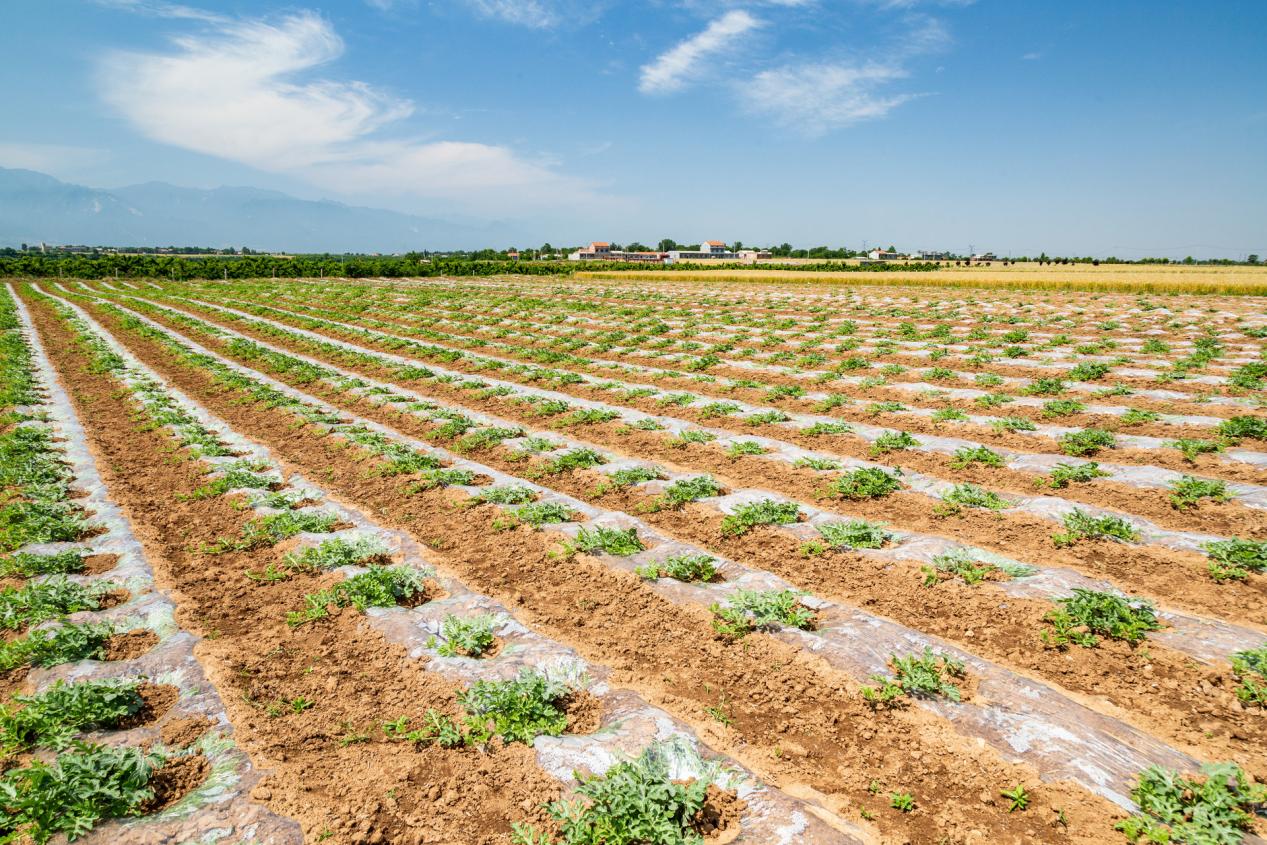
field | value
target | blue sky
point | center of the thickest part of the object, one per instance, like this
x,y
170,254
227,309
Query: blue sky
x,y
1123,128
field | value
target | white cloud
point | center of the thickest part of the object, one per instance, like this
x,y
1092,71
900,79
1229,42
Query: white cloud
x,y
234,90
671,70
815,98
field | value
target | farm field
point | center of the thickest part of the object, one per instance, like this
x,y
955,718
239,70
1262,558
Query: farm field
x,y
625,560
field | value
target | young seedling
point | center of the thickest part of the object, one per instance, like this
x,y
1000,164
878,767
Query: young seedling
x,y
1235,559
1087,615
1080,525
45,647
948,415
336,552
751,610
820,428
750,515
1086,442
818,464
865,483
972,496
902,801
892,441
54,717
1191,448
1187,492
466,637
379,587
855,534
1216,807
742,448
505,495
1135,416
919,676
1018,798
1063,408
613,541
967,456
1065,474
270,530
538,514
1006,424
53,598
689,436
1234,429
1249,668
689,568
522,708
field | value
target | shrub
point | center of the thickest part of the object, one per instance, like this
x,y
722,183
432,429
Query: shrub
x,y
1187,492
1080,525
854,534
865,483
1065,474
1086,442
1216,808
682,568
966,456
767,512
1087,615
751,610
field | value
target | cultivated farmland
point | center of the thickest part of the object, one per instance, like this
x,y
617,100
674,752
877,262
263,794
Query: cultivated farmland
x,y
514,560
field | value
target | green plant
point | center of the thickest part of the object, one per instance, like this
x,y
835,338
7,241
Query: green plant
x,y
466,637
1089,371
336,552
1013,424
1134,416
1018,798
767,512
1062,475
634,475
1235,559
53,598
1080,525
25,565
1063,408
966,456
993,400
80,788
820,428
865,483
948,415
766,418
902,801
919,676
1249,668
877,408
750,610
1087,615
682,568
972,496
573,460
1086,442
45,647
635,802
691,435
1192,447
1187,492
1236,428
741,448
1216,807
522,708
52,718
893,441
686,490
272,529
819,464
854,534
538,514
717,409
1044,387
506,495
381,586
959,563
613,541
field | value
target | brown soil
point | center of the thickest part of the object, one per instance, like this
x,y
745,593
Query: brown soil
x,y
156,699
356,679
184,732
1176,578
782,698
178,777
584,712
129,644
113,598
1165,692
718,820
99,564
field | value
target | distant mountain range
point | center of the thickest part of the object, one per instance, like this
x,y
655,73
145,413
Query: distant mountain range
x,y
35,207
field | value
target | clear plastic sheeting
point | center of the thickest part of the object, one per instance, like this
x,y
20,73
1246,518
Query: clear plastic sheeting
x,y
219,810
1022,719
629,724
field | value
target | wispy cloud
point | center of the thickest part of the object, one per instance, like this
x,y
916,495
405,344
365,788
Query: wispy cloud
x,y
672,69
235,89
52,158
815,98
